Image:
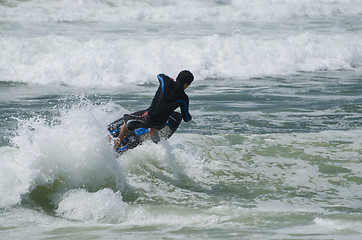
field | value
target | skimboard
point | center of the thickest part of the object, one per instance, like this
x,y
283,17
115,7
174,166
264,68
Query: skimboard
x,y
140,135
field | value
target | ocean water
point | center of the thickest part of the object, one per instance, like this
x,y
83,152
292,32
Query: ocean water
x,y
274,150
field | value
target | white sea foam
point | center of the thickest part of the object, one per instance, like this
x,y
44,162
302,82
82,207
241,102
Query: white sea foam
x,y
15,178
104,63
338,225
243,51
175,11
101,206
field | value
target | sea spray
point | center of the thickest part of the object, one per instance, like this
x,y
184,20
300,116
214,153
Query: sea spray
x,y
68,151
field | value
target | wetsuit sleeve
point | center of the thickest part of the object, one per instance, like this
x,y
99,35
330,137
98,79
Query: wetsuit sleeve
x,y
184,104
161,80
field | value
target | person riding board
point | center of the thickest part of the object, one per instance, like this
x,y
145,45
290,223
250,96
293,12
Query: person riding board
x,y
169,96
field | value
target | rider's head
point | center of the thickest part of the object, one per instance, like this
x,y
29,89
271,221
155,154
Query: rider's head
x,y
185,78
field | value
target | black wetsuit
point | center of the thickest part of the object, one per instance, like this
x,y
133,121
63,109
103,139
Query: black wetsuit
x,y
169,96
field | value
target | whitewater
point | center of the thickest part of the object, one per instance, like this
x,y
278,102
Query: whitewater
x,y
274,150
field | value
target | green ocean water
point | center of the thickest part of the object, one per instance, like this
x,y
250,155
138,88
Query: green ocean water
x,y
245,168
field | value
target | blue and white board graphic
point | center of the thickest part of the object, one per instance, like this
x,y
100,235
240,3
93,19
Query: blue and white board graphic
x,y
136,137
